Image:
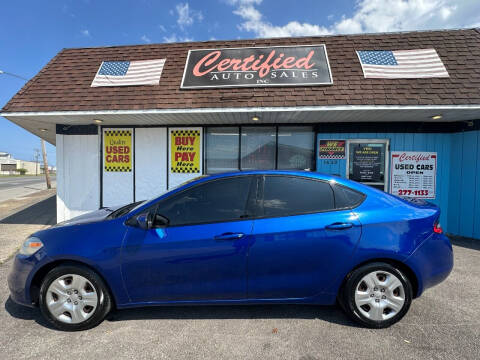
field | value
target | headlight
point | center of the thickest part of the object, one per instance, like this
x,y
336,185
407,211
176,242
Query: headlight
x,y
31,246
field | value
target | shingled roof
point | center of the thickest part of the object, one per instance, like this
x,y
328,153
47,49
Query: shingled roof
x,y
64,83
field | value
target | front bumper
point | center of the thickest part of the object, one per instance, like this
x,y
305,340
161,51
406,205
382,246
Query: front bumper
x,y
432,261
21,275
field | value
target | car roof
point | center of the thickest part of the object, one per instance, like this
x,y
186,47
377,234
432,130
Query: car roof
x,y
303,173
300,173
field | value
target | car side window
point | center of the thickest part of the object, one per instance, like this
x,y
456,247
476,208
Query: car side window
x,y
346,198
288,195
213,201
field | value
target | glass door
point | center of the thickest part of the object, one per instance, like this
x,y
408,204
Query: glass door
x,y
367,162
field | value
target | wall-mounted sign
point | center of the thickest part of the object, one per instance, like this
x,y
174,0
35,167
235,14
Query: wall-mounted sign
x,y
367,163
413,174
257,66
185,151
331,149
117,150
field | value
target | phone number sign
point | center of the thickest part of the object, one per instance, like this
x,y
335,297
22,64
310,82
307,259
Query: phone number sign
x,y
413,174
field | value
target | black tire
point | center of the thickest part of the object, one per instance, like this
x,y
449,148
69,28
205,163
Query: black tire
x,y
347,295
104,299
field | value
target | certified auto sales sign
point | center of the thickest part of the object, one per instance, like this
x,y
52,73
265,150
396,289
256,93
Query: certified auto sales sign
x,y
257,66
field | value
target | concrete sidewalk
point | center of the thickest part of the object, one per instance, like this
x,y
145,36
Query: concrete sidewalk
x,y
13,188
23,216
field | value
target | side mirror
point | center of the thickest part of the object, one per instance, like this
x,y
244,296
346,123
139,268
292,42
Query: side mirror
x,y
150,220
143,221
161,220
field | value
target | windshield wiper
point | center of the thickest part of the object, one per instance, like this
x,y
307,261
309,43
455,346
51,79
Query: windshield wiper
x,y
123,210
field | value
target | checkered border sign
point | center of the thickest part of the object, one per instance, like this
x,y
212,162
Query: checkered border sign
x,y
112,168
118,132
186,132
185,169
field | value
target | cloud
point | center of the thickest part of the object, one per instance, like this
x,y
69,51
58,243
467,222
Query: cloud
x,y
85,32
368,16
146,39
186,15
401,15
175,38
253,22
162,28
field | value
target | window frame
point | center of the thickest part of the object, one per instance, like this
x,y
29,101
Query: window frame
x,y
239,157
386,142
247,206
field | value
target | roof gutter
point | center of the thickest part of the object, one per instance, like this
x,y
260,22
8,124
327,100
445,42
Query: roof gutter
x,y
244,110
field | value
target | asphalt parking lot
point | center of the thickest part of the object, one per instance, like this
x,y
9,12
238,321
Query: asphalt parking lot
x,y
443,324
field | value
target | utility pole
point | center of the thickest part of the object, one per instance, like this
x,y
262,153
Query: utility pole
x,y
36,156
45,165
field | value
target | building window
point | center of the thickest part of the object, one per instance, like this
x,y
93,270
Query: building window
x,y
222,146
259,148
296,147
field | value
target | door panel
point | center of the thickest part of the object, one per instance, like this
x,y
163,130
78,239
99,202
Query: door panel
x,y
296,256
201,254
187,262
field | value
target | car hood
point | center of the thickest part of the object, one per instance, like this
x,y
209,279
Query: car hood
x,y
94,216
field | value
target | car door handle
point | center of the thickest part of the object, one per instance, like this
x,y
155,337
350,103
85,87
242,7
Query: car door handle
x,y
339,226
229,236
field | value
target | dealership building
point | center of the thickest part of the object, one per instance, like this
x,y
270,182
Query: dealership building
x,y
397,111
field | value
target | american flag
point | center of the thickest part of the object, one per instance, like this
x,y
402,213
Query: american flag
x,y
401,64
127,73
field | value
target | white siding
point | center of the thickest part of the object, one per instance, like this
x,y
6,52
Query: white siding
x,y
150,162
78,175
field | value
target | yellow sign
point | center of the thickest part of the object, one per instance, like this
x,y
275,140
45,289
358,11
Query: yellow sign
x,y
185,151
117,150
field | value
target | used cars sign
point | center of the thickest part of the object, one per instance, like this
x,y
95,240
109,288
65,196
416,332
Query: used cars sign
x,y
257,66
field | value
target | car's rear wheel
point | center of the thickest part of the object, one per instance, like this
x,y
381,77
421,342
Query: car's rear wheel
x,y
377,295
73,297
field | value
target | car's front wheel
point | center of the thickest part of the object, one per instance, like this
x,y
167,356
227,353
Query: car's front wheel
x,y
73,297
377,295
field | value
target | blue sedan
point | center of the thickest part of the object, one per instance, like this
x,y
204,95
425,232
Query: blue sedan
x,y
239,238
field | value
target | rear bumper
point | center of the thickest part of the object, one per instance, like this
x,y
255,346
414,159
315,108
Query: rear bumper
x,y
432,261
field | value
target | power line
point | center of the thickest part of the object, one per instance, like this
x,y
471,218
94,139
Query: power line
x,y
12,74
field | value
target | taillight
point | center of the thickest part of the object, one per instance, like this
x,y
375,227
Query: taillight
x,y
437,228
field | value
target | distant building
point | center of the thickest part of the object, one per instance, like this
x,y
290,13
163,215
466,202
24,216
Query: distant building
x,y
8,165
11,166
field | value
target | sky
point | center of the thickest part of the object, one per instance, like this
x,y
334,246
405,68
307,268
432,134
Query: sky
x,y
32,32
